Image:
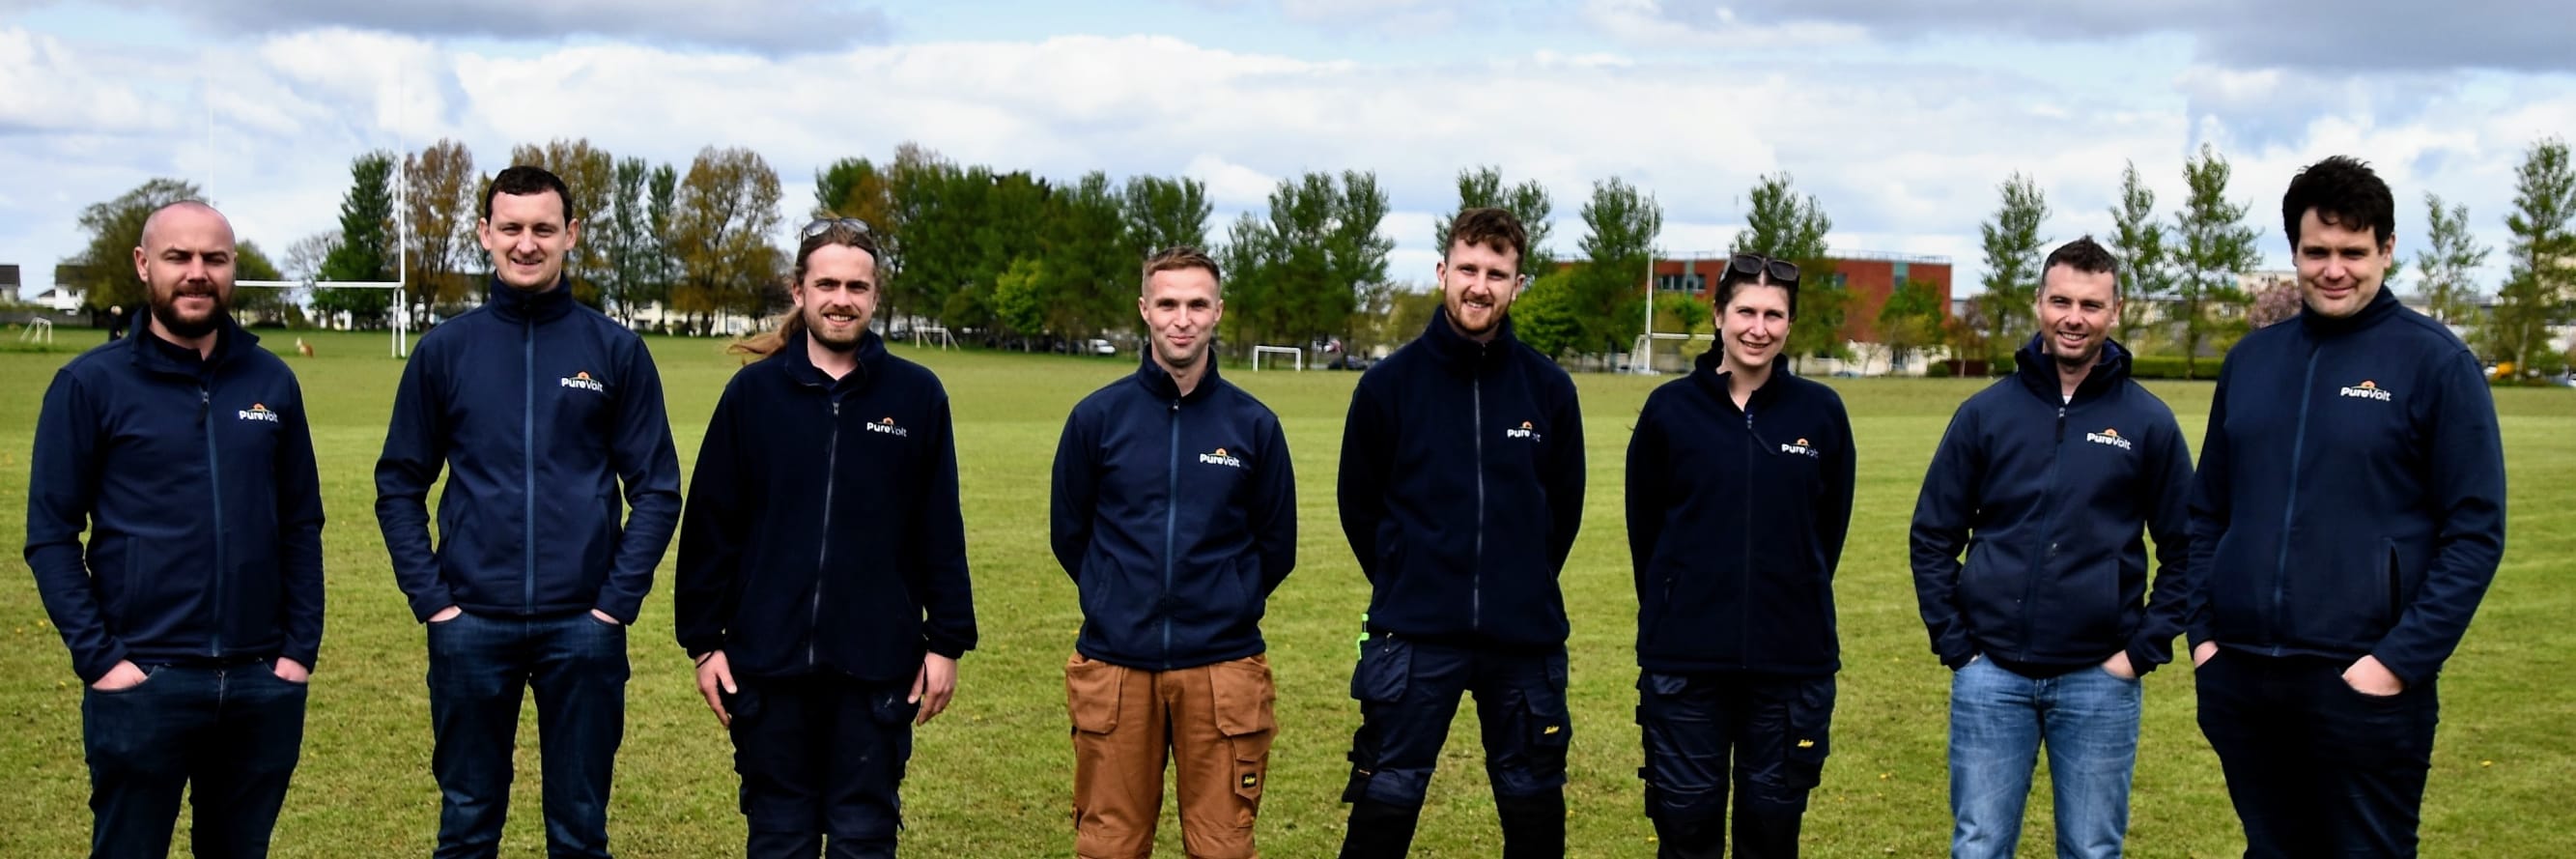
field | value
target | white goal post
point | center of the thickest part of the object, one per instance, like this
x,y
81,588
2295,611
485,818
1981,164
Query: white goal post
x,y
1641,357
933,335
1296,355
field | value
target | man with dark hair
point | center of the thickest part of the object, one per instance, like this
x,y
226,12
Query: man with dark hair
x,y
1175,512
2346,521
1739,498
2046,480
823,592
1461,487
195,612
541,409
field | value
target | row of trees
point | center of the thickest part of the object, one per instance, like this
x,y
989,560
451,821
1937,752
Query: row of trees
x,y
1025,258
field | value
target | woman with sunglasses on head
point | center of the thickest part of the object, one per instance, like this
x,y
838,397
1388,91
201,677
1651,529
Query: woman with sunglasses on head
x,y
1739,495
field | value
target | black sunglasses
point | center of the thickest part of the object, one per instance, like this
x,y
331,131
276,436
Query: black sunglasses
x,y
819,226
1782,271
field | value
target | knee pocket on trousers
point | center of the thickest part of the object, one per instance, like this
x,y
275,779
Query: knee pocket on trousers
x,y
1810,736
1091,689
1244,694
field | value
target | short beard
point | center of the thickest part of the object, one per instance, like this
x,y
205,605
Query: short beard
x,y
815,333
166,311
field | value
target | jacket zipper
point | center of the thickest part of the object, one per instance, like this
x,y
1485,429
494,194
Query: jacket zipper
x,y
1171,517
2047,537
528,463
823,552
214,479
1744,577
2290,505
1476,574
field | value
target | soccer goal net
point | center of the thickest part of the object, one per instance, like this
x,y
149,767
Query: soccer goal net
x,y
1296,356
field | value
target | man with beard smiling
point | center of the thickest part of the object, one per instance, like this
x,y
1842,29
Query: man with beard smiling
x,y
1461,488
1739,498
822,584
2046,480
541,409
1175,512
195,613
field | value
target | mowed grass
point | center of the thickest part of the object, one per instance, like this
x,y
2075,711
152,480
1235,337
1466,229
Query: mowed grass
x,y
992,778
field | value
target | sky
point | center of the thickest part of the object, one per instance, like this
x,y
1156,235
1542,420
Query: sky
x,y
1901,116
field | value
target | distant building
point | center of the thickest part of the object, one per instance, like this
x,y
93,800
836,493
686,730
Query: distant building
x,y
1871,277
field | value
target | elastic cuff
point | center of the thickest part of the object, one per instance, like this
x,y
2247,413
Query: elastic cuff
x,y
949,649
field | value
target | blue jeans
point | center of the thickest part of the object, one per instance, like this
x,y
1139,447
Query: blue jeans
x,y
479,668
229,734
2087,718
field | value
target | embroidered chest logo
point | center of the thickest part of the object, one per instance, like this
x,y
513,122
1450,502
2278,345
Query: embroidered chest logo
x,y
2110,437
257,412
1525,430
1802,448
2367,390
583,381
887,426
1221,457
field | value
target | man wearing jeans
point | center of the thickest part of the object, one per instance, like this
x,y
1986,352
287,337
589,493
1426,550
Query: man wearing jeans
x,y
196,609
1175,512
2044,479
2347,518
542,411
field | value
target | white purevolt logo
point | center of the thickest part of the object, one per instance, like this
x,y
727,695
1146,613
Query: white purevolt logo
x,y
1220,457
1525,430
583,381
887,426
2110,437
2367,390
1802,448
257,412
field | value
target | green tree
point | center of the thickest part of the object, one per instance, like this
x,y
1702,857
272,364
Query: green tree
x,y
2542,258
1545,316
2213,244
1910,320
1090,278
1250,258
103,271
727,211
1300,274
1605,293
2138,238
1163,212
257,304
1782,224
2448,264
367,244
2012,246
1019,299
661,209
632,244
1482,188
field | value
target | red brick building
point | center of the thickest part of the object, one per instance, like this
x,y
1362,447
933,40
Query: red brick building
x,y
1870,277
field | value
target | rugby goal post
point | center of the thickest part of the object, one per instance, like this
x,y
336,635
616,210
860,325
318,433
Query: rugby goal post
x,y
1295,355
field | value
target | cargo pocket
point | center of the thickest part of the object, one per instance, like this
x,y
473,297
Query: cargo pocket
x,y
1550,727
1244,695
1386,667
1091,695
1809,739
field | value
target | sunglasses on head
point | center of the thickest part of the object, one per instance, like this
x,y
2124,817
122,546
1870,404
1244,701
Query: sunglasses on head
x,y
819,226
1781,271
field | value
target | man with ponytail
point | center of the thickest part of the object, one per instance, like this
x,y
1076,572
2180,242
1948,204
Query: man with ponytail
x,y
822,583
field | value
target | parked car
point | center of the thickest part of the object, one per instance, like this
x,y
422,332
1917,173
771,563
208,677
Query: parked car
x,y
1098,346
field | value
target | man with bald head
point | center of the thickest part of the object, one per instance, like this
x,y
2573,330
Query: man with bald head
x,y
194,610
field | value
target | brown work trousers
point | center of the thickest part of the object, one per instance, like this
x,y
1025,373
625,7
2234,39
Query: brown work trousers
x,y
1214,724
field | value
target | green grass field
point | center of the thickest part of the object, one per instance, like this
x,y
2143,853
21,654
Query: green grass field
x,y
992,778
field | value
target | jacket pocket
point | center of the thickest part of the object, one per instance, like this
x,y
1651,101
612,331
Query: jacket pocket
x,y
1385,669
2392,582
1091,694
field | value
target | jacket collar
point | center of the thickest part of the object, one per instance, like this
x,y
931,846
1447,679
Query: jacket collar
x,y
1159,381
2320,325
1709,372
520,306
800,365
2038,370
1459,352
156,355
